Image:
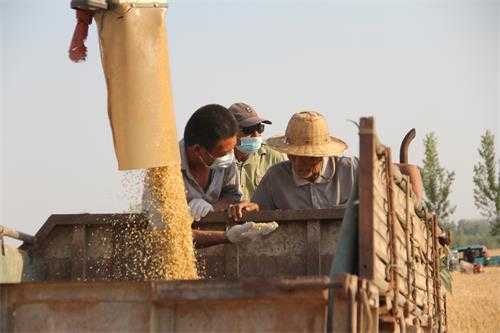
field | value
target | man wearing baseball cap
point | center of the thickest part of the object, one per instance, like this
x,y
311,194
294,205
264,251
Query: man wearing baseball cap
x,y
253,156
209,174
316,176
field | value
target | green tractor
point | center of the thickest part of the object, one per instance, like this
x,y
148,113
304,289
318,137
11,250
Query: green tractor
x,y
476,254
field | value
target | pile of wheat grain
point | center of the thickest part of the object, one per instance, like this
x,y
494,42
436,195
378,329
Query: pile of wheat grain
x,y
474,305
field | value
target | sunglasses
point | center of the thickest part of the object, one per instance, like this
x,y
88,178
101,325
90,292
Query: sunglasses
x,y
259,128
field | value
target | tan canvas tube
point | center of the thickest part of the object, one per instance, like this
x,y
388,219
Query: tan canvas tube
x,y
134,56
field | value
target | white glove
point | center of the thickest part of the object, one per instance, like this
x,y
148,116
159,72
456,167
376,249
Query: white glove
x,y
199,208
249,231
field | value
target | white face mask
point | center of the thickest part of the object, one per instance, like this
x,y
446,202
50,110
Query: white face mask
x,y
223,161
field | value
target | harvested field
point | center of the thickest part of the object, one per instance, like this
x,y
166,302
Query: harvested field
x,y
494,252
474,305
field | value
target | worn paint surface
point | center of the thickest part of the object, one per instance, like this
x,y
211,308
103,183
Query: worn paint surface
x,y
166,306
87,247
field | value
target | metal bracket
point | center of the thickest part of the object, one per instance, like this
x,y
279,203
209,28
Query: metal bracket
x,y
95,5
2,243
138,3
89,4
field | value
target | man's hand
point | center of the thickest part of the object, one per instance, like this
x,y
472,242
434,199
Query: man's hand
x,y
236,211
199,208
249,231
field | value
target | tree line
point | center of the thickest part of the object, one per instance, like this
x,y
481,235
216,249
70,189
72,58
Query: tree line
x,y
438,183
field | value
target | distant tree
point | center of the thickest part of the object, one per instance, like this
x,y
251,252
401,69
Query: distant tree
x,y
437,182
470,232
487,183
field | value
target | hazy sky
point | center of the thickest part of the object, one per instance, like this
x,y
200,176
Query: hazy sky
x,y
429,65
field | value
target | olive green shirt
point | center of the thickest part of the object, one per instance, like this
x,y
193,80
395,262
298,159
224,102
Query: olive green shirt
x,y
251,171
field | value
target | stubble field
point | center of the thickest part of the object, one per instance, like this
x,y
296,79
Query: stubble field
x,y
474,305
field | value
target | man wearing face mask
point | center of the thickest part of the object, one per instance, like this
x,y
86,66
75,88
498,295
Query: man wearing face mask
x,y
209,174
253,157
207,160
316,175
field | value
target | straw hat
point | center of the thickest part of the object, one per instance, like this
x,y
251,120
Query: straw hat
x,y
307,134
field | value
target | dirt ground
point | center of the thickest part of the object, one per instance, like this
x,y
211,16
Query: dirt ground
x,y
474,305
494,252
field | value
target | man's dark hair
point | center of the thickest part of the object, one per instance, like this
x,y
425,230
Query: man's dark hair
x,y
208,125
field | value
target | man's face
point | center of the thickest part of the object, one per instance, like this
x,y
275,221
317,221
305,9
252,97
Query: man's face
x,y
252,131
223,147
306,167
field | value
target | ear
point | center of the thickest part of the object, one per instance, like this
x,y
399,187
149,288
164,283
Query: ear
x,y
196,149
239,135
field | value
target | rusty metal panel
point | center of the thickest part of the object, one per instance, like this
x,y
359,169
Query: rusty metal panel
x,y
294,249
199,306
231,254
336,213
84,246
211,262
99,241
366,232
260,315
284,252
329,238
71,307
58,246
79,253
354,305
4,314
99,246
280,253
248,305
313,258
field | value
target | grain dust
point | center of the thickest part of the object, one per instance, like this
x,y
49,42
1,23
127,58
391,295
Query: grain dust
x,y
165,252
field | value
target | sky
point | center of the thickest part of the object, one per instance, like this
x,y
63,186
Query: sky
x,y
432,65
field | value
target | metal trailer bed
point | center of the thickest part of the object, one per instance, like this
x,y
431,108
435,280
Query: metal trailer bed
x,y
290,281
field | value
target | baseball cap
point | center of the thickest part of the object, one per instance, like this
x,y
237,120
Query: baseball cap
x,y
246,116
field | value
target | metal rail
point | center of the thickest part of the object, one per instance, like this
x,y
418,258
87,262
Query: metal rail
x,y
277,215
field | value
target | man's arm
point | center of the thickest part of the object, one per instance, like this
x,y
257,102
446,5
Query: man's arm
x,y
206,238
248,231
223,204
262,199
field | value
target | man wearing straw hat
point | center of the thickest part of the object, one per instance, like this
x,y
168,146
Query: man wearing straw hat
x,y
316,176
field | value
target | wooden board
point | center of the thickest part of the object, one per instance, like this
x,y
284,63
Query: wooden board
x,y
399,248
